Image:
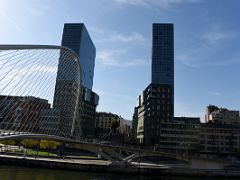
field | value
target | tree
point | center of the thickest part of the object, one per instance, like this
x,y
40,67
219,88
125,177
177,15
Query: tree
x,y
46,144
8,142
29,143
114,125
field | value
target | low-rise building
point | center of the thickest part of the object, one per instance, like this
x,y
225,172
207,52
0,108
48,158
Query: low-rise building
x,y
134,123
104,120
87,119
221,115
49,121
181,135
21,113
125,126
219,138
106,127
140,116
155,107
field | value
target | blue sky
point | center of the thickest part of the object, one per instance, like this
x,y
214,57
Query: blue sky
x,y
207,53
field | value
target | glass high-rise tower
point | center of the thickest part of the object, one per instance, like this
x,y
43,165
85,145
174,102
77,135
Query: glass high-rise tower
x,y
162,54
81,123
157,100
75,36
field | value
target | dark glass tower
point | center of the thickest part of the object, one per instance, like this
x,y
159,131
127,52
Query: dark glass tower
x,y
157,100
163,54
81,121
75,36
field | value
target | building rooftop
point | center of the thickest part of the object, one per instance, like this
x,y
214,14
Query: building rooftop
x,y
218,125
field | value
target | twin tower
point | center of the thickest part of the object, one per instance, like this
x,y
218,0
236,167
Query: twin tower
x,y
73,96
77,102
156,103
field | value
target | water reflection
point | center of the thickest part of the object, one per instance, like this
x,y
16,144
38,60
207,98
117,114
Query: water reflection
x,y
23,173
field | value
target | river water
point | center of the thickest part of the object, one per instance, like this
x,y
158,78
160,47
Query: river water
x,y
23,173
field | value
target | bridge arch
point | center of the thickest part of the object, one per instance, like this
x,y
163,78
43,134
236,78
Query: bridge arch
x,y
40,90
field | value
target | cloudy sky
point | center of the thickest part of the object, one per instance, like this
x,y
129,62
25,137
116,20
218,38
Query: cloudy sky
x,y
207,51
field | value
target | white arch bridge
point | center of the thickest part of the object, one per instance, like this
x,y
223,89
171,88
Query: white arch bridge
x,y
40,90
40,98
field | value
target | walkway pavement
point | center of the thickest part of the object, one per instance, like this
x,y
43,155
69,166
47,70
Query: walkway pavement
x,y
73,161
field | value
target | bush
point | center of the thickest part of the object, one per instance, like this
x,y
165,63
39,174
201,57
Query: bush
x,y
29,143
46,144
8,142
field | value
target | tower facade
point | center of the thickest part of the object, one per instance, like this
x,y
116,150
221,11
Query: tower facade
x,y
157,100
75,36
67,94
81,119
162,71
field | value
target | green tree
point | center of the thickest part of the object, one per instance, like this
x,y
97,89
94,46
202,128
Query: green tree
x,y
46,144
114,125
8,142
29,143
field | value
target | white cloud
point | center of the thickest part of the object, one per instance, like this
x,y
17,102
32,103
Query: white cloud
x,y
25,76
112,58
44,69
12,22
215,93
213,48
108,57
103,36
133,2
153,3
133,37
20,74
37,9
217,34
96,30
200,59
